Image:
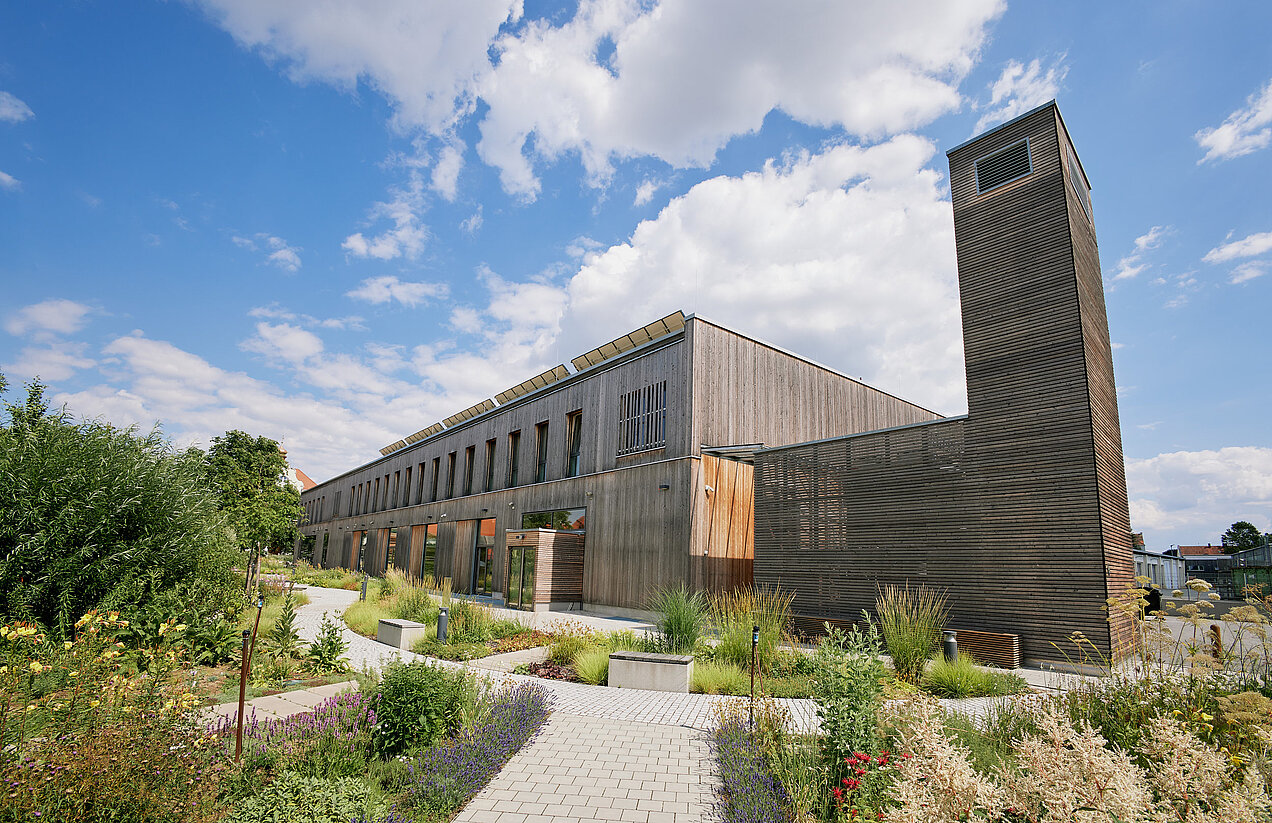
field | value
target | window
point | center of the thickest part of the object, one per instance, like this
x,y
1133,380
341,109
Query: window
x,y
541,463
437,469
397,488
642,419
384,501
561,519
470,456
353,491
406,488
489,484
574,438
419,492
450,475
375,496
514,457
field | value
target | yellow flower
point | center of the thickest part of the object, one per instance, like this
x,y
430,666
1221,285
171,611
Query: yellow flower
x,y
75,673
30,707
66,644
94,703
36,667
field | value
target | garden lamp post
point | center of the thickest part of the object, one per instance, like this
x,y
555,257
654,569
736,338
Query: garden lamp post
x,y
244,668
755,642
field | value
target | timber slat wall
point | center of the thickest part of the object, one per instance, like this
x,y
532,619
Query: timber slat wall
x,y
723,549
558,564
1020,509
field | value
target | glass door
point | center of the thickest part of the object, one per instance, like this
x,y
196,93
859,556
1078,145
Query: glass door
x,y
515,557
483,558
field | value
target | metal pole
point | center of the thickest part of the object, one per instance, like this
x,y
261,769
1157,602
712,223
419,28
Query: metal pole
x,y
755,642
238,736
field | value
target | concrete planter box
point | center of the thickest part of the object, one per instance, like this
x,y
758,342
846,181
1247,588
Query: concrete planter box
x,y
651,671
400,634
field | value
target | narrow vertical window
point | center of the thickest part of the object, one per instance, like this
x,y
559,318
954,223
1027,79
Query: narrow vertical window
x,y
353,492
437,469
419,492
450,475
470,456
514,458
375,496
489,483
541,444
384,501
397,488
574,442
406,487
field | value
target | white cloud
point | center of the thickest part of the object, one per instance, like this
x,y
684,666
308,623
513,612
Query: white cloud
x,y
671,92
13,110
472,223
389,288
1251,246
1190,497
1020,88
284,343
1243,132
278,252
645,192
55,361
1248,270
665,89
845,256
1132,264
408,235
446,173
9,183
275,311
43,320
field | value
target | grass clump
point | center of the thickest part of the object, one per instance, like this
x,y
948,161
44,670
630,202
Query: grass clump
x,y
681,615
964,677
592,665
911,623
719,678
733,614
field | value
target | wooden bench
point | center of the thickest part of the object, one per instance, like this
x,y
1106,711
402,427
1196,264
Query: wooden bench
x,y
990,648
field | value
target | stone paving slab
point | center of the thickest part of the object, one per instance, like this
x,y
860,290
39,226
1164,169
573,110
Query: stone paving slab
x,y
583,769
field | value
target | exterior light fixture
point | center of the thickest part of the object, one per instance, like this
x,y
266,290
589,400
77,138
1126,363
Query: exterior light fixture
x,y
663,487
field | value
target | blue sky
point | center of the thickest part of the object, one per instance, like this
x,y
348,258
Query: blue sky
x,y
336,223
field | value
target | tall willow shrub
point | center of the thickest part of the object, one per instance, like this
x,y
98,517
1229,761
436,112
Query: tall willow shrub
x,y
96,516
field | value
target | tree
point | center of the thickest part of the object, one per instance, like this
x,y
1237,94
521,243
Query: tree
x,y
1240,536
95,516
249,474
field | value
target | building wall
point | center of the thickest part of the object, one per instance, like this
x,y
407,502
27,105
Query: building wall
x,y
1020,509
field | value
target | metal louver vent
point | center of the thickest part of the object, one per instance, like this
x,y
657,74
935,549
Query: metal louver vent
x,y
1003,166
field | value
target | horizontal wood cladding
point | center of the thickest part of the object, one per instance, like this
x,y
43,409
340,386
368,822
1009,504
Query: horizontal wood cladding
x,y
1018,511
747,392
638,533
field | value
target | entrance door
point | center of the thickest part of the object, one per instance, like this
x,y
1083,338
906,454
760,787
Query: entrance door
x,y
483,558
521,561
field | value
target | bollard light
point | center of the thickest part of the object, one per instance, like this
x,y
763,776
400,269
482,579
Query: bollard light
x,y
442,615
949,646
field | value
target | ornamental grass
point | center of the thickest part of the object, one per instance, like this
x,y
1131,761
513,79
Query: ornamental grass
x,y
910,623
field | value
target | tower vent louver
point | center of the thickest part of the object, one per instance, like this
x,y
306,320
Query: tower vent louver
x,y
1003,166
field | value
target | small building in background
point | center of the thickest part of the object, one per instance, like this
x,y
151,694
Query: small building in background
x,y
1165,571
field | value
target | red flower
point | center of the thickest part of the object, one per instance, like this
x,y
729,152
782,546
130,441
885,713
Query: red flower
x,y
852,784
838,793
859,772
905,756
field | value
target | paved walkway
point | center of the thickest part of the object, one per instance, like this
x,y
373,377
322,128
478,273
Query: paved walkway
x,y
582,768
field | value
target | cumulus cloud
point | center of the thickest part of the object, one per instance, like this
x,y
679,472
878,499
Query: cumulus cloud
x,y
388,288
623,78
278,252
54,361
43,320
1133,263
645,192
1245,131
13,110
1020,88
9,183
1189,497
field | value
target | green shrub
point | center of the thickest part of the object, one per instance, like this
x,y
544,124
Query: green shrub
x,y
719,678
910,622
681,615
964,678
283,639
628,640
563,649
846,689
364,616
592,665
300,799
733,614
96,516
419,703
415,603
326,653
469,622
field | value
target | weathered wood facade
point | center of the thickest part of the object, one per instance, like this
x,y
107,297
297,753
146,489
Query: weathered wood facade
x,y
1019,509
649,520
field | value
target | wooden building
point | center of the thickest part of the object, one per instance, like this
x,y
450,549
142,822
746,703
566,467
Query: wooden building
x,y
1017,509
630,449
